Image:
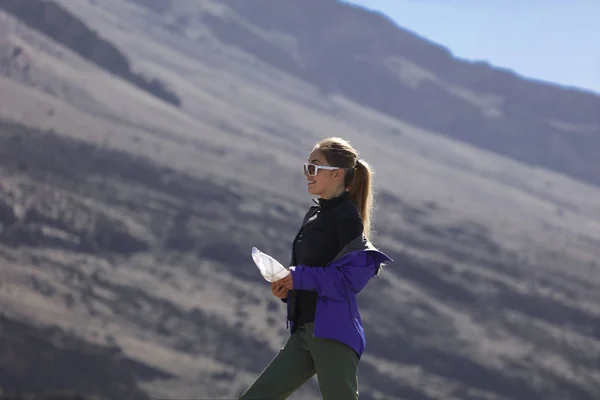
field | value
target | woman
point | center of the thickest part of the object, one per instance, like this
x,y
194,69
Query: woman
x,y
332,261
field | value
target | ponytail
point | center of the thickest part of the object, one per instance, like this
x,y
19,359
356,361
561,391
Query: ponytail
x,y
361,193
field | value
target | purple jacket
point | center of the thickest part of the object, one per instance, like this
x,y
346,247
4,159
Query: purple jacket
x,y
337,285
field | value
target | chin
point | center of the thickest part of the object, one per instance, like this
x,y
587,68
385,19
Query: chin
x,y
312,191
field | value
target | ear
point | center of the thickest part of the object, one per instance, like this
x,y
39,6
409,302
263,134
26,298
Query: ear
x,y
339,173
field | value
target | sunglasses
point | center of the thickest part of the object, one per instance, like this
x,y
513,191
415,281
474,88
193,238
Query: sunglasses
x,y
313,169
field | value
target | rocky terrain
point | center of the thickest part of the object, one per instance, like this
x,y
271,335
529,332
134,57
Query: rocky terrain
x,y
364,56
51,363
60,25
126,226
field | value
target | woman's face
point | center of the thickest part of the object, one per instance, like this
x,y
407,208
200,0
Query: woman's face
x,y
327,182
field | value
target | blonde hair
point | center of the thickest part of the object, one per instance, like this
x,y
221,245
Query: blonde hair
x,y
358,179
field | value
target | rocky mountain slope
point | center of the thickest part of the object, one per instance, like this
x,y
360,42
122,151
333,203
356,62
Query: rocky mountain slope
x,y
364,56
52,362
126,226
56,22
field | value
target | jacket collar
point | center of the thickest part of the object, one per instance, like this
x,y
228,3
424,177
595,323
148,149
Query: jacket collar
x,y
361,243
330,203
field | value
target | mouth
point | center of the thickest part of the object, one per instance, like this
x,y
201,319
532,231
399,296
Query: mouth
x,y
310,183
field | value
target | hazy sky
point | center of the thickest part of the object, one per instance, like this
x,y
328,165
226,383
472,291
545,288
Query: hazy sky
x,y
550,40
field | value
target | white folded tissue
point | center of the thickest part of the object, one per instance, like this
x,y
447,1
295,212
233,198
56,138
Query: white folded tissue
x,y
269,267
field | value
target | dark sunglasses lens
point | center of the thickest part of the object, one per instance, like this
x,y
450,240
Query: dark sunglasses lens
x,y
310,169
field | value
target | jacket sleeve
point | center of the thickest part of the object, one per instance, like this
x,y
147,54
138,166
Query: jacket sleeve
x,y
336,283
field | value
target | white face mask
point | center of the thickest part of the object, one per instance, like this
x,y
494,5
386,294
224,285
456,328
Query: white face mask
x,y
270,268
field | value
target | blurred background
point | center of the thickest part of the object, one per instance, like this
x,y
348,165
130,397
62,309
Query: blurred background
x,y
147,145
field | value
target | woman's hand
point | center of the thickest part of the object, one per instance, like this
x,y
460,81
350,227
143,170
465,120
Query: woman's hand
x,y
286,282
279,291
281,288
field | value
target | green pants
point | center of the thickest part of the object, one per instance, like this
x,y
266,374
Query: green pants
x,y
335,364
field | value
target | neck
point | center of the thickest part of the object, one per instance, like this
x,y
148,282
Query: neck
x,y
338,192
